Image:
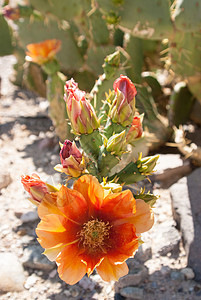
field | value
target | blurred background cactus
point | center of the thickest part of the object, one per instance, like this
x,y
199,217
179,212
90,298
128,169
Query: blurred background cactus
x,y
130,37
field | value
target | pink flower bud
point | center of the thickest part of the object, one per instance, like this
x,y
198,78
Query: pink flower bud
x,y
135,130
125,85
11,13
81,113
123,107
72,160
35,187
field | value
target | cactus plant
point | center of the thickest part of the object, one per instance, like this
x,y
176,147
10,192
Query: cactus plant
x,y
6,47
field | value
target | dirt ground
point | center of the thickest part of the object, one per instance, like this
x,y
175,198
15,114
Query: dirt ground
x,y
28,144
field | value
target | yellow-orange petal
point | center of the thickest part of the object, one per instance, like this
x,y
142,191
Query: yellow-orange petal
x,y
70,267
51,231
143,219
91,190
53,252
109,271
118,206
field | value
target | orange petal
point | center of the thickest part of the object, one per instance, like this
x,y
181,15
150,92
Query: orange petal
x,y
70,267
143,219
72,204
48,206
91,190
51,231
118,206
123,242
109,271
123,253
92,261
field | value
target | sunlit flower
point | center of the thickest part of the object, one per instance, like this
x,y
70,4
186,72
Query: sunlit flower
x,y
136,129
43,52
73,162
123,107
81,229
81,113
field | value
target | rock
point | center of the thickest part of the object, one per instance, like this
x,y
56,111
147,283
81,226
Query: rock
x,y
30,216
167,161
87,284
5,179
176,275
132,292
165,270
31,280
187,213
137,274
166,239
144,253
188,273
11,273
33,258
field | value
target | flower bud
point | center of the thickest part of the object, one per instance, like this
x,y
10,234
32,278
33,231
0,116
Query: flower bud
x,y
43,52
147,164
116,144
136,130
81,113
72,160
123,107
111,187
35,187
11,13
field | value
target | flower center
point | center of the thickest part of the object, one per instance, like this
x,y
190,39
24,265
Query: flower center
x,y
94,234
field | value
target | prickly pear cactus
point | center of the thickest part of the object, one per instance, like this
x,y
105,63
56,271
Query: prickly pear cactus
x,y
134,16
6,47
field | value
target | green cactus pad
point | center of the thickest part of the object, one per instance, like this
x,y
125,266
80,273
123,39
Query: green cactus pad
x,y
130,174
187,15
63,10
144,19
181,102
6,47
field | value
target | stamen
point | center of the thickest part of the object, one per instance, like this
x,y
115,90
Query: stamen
x,y
94,234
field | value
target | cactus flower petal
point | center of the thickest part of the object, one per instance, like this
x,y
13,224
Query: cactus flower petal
x,y
85,229
43,52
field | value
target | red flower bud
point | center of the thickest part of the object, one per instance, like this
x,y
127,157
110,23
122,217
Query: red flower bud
x,y
35,187
123,107
72,160
136,129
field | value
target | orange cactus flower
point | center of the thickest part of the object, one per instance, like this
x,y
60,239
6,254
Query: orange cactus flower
x,y
81,229
42,52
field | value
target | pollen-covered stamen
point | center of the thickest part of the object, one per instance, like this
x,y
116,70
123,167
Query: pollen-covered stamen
x,y
94,234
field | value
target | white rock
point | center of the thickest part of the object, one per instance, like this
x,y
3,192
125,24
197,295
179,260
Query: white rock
x,y
188,273
31,280
11,273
